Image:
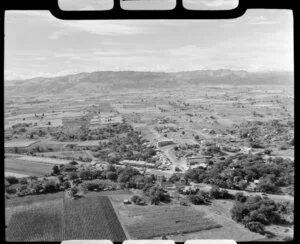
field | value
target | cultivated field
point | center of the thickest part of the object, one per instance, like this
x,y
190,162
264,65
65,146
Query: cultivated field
x,y
44,160
86,225
91,217
27,167
42,223
25,143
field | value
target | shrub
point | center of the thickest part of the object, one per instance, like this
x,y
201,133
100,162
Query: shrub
x,y
200,198
6,184
137,200
66,185
11,190
197,199
177,169
55,170
111,175
73,162
73,176
23,181
156,193
98,185
73,191
50,187
154,200
174,178
68,168
240,197
255,227
12,180
60,179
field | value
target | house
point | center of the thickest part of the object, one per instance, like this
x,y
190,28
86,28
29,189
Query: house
x,y
197,160
256,182
166,142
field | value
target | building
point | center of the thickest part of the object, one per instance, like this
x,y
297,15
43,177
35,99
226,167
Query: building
x,y
139,164
197,160
166,142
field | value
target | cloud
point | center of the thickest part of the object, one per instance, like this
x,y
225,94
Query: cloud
x,y
65,27
101,27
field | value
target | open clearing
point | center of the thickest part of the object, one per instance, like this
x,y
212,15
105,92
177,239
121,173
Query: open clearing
x,y
23,143
143,222
44,160
181,223
7,173
27,167
219,211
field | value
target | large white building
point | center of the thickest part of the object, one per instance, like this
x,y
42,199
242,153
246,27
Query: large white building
x,y
139,164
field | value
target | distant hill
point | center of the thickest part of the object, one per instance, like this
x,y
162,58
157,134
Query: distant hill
x,y
119,80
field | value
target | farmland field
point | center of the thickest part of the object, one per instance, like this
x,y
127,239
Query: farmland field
x,y
15,174
143,222
56,219
37,224
44,160
97,220
23,143
26,167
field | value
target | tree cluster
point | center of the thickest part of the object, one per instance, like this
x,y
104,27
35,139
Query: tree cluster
x,y
256,212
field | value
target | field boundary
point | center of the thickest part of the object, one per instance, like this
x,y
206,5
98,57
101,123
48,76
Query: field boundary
x,y
120,219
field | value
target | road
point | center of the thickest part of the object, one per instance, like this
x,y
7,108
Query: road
x,y
276,198
167,150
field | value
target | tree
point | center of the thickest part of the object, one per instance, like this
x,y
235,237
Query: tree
x,y
174,178
23,181
73,191
85,174
255,226
55,170
68,168
240,197
73,162
12,180
73,176
197,199
60,179
154,200
66,185
239,211
50,186
177,169
137,200
112,176
267,184
215,192
242,185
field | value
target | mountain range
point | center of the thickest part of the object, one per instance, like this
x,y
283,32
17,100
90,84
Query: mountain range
x,y
102,81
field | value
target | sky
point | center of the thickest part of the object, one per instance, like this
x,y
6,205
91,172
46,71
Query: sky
x,y
39,45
